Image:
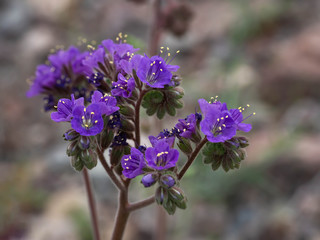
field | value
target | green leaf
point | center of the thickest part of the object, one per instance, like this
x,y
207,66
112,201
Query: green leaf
x,y
161,112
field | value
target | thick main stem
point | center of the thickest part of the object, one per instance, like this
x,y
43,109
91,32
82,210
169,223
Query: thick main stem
x,y
192,158
92,204
122,216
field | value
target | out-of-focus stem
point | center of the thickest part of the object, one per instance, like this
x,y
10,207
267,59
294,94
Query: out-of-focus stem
x,y
192,158
141,204
156,28
92,204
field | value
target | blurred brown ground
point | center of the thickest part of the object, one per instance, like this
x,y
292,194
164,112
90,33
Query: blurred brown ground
x,y
266,53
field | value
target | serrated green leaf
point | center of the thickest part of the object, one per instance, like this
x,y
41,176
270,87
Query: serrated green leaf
x,y
152,110
161,112
208,160
177,103
170,110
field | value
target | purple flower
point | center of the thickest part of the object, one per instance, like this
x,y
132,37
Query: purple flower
x,y
167,181
238,119
133,164
155,71
54,75
186,127
64,109
108,104
161,156
119,51
220,124
94,58
149,179
120,140
123,87
169,137
87,121
114,120
96,79
78,66
217,124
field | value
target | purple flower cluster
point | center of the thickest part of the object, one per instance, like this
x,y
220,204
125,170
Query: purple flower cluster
x,y
58,73
159,157
87,121
219,123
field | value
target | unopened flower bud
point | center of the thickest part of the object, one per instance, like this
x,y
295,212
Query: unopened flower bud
x,y
161,196
149,179
84,142
185,146
167,181
73,149
70,135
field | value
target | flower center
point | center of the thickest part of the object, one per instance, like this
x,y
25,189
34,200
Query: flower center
x,y
87,121
161,159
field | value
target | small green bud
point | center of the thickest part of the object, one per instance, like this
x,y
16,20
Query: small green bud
x,y
73,148
126,111
76,163
185,146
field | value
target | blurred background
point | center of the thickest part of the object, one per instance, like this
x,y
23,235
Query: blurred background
x,y
262,52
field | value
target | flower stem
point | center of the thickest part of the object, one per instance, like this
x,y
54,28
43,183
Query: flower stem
x,y
137,117
92,204
141,204
122,215
111,174
192,157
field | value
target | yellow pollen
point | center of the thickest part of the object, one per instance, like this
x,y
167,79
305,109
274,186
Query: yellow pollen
x,y
178,51
83,117
111,62
168,48
220,128
248,105
127,167
161,69
222,118
160,62
227,116
117,39
254,113
153,73
223,125
86,125
169,54
55,106
95,121
218,119
162,48
84,109
126,35
92,113
63,102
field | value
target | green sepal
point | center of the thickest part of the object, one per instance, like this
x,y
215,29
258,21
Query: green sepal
x,y
126,111
76,163
116,154
161,112
127,126
106,138
185,146
161,196
73,148
89,158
